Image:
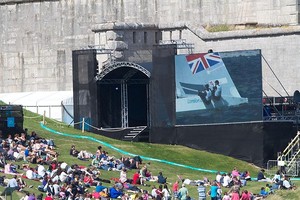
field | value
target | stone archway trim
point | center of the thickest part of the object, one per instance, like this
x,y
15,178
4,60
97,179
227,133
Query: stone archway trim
x,y
112,66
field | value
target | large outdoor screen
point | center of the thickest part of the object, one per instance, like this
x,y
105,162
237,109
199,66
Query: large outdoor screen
x,y
218,87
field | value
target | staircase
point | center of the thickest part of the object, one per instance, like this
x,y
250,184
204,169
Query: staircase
x,y
290,156
136,134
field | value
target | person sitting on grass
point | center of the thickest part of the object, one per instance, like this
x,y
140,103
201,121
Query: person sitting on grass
x,y
263,192
104,194
114,192
286,183
123,176
13,184
161,179
136,178
73,151
49,197
81,155
262,178
99,187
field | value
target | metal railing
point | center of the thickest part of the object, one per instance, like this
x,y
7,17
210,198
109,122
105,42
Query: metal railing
x,y
286,167
52,111
292,150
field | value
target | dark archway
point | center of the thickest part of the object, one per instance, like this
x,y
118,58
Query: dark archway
x,y
123,93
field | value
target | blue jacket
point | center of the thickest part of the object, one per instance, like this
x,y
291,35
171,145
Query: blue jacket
x,y
113,193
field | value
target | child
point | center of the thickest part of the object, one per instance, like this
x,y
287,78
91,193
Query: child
x,y
145,195
267,189
226,196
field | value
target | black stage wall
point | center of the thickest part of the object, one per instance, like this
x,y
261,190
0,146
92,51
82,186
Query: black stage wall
x,y
162,88
255,142
85,87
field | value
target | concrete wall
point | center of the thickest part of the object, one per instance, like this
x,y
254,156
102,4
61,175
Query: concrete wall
x,y
37,37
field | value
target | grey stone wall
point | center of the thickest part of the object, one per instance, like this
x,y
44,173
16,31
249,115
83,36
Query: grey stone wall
x,y
249,11
37,37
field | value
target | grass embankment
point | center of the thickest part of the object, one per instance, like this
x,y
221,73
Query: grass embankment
x,y
173,153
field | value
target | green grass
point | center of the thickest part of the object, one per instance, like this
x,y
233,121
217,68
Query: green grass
x,y
219,28
173,153
232,27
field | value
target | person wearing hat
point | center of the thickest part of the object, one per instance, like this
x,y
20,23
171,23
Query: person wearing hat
x,y
183,192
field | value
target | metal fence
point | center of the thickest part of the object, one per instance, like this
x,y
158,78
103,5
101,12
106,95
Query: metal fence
x,y
51,111
287,167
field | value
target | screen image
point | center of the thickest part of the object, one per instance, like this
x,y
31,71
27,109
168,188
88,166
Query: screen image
x,y
218,87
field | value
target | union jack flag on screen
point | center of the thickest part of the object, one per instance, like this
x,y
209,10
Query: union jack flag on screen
x,y
202,61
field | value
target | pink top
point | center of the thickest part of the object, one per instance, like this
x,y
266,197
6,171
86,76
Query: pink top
x,y
175,187
235,173
96,195
246,196
226,197
235,196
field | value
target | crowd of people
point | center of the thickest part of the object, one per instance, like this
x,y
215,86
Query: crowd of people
x,y
61,180
65,181
235,181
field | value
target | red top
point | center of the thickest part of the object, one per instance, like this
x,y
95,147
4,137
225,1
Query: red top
x,y
136,177
175,186
87,179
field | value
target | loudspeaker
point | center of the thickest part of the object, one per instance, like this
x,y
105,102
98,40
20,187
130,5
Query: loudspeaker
x,y
85,67
11,119
297,97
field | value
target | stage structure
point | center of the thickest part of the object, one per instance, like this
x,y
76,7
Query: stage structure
x,y
210,101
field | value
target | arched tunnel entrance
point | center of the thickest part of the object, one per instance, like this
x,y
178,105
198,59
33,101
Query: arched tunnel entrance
x,y
123,95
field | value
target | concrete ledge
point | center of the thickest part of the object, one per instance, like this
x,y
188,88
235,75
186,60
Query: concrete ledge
x,y
4,2
122,26
237,34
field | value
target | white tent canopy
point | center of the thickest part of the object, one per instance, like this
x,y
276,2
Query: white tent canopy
x,y
40,102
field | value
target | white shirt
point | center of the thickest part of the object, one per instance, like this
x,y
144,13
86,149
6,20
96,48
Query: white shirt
x,y
56,188
25,198
226,181
286,184
63,165
218,178
123,176
53,173
166,193
41,170
153,193
276,176
208,95
29,174
218,91
63,177
12,183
